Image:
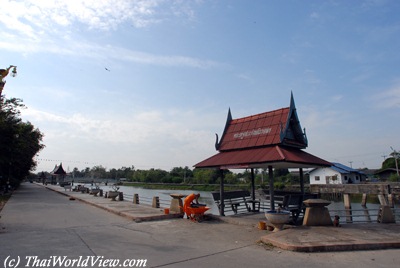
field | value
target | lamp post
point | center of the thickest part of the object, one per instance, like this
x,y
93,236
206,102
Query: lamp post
x,y
4,73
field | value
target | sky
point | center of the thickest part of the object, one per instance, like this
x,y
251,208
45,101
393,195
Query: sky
x,y
148,83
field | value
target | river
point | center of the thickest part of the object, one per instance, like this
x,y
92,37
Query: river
x,y
146,195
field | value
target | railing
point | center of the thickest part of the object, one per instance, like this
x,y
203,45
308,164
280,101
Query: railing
x,y
353,215
347,214
151,201
364,215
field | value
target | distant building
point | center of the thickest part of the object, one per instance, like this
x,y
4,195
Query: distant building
x,y
336,174
58,174
385,174
370,174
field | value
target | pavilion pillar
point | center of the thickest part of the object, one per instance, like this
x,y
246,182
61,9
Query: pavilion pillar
x,y
271,188
253,190
301,181
221,193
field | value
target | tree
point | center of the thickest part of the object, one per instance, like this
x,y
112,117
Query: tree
x,y
392,162
19,143
99,172
389,163
206,176
76,173
179,174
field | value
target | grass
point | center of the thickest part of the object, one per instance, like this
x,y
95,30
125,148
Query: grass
x,y
3,200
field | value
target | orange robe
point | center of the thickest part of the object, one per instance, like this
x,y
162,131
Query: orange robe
x,y
188,200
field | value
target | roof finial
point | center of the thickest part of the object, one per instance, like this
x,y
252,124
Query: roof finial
x,y
292,105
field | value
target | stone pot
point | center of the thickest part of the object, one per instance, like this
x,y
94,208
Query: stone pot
x,y
95,192
278,218
113,195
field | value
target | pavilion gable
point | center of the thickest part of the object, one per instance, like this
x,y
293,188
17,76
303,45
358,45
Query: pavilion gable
x,y
58,170
278,127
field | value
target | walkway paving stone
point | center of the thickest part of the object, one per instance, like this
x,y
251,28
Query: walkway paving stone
x,y
295,238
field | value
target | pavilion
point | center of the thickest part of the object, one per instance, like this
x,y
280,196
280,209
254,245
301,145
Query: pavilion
x,y
58,174
268,140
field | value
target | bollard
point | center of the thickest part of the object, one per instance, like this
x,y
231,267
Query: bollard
x,y
385,215
101,192
121,196
390,201
347,207
364,200
382,200
156,202
136,199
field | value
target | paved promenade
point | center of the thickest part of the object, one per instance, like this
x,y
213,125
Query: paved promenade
x,y
43,223
305,239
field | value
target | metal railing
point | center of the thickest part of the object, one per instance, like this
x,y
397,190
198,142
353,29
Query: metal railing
x,y
364,215
154,201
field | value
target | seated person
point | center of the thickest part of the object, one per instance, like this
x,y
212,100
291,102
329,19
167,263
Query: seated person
x,y
192,200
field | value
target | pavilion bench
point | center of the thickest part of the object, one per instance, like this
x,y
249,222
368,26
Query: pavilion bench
x,y
68,187
290,201
239,201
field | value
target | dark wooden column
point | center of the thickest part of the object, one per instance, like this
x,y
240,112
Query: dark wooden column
x,y
301,181
271,187
221,193
253,190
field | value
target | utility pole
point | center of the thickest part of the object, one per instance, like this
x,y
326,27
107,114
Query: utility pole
x,y
395,159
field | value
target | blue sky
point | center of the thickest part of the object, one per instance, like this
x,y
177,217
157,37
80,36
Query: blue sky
x,y
149,83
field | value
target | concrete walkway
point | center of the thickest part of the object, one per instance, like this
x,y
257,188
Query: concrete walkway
x,y
135,212
296,238
348,237
42,223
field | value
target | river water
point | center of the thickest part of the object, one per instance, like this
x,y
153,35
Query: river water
x,y
146,195
164,195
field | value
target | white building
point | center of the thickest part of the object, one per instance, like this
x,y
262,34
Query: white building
x,y
336,174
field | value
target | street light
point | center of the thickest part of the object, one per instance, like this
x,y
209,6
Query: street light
x,y
4,73
14,72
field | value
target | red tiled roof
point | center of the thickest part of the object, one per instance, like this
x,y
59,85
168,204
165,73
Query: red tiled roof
x,y
273,138
254,131
276,156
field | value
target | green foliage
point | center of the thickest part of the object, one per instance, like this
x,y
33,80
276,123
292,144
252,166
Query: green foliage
x,y
389,163
281,172
205,176
20,142
185,177
394,178
279,185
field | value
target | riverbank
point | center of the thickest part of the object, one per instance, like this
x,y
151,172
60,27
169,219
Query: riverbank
x,y
194,187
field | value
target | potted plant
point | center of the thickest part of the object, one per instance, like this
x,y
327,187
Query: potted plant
x,y
114,193
278,218
82,189
95,190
